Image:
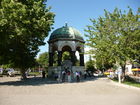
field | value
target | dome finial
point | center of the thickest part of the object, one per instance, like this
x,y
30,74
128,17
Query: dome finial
x,y
66,24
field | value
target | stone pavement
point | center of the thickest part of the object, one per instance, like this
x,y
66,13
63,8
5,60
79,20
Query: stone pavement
x,y
98,91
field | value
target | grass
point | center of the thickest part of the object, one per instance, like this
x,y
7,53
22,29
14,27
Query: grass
x,y
130,83
34,73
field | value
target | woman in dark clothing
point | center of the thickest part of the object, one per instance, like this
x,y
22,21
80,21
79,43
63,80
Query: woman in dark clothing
x,y
43,74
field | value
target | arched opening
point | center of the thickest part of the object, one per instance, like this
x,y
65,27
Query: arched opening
x,y
66,48
66,53
55,58
77,58
66,56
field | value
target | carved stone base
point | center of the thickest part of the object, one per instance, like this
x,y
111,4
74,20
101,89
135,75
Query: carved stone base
x,y
58,70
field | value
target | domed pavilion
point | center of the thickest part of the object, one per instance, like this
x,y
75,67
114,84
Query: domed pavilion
x,y
65,39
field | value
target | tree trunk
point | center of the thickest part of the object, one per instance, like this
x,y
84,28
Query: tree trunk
x,y
23,74
123,72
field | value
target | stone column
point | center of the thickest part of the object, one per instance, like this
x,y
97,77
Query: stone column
x,y
51,59
73,58
81,59
59,58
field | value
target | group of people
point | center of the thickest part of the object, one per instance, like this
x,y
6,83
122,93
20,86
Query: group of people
x,y
67,75
8,71
70,76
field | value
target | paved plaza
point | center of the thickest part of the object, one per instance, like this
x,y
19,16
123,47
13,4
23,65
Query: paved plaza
x,y
97,91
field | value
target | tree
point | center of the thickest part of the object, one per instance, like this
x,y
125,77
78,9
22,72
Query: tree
x,y
115,37
90,65
66,56
43,59
24,24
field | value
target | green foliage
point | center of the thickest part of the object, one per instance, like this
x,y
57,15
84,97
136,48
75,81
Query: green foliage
x,y
34,73
77,62
129,81
90,65
132,83
43,59
6,66
24,24
66,56
115,37
55,58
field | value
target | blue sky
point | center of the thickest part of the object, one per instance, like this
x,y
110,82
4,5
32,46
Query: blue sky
x,y
78,12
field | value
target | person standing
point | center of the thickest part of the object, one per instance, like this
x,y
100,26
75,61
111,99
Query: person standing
x,y
85,74
43,74
77,76
63,76
69,76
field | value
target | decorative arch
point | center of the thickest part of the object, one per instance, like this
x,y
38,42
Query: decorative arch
x,y
66,48
66,43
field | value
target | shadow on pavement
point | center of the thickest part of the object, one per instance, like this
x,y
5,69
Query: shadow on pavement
x,y
36,81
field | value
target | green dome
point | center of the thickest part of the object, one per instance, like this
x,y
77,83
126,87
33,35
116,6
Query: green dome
x,y
66,32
